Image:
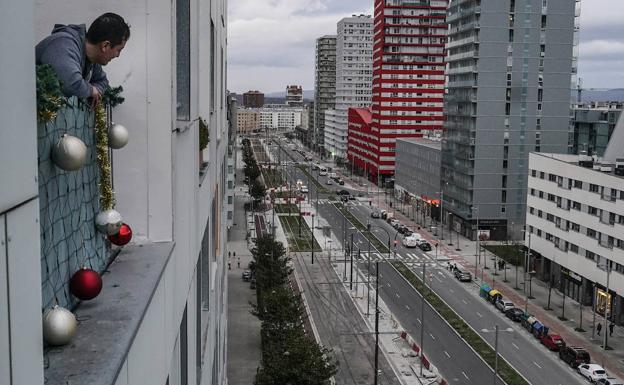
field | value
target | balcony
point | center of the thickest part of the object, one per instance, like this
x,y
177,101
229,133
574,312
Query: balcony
x,y
465,41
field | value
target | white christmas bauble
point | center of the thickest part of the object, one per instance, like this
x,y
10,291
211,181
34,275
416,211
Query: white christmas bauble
x,y
69,153
118,136
108,222
59,326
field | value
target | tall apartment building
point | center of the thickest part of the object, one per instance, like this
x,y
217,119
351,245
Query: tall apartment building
x,y
247,120
161,317
354,76
294,96
279,118
253,99
593,125
510,65
408,79
324,87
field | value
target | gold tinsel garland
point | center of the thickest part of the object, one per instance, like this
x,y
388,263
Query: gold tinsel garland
x,y
107,196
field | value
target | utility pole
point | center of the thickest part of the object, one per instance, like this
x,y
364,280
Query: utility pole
x,y
312,238
606,314
368,273
442,214
495,352
526,266
422,316
351,275
377,321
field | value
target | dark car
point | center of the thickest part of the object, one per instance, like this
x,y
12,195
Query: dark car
x,y
246,275
514,314
340,181
463,275
344,192
344,198
574,356
426,246
407,233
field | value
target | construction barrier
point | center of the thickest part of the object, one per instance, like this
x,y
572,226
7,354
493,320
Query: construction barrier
x,y
425,362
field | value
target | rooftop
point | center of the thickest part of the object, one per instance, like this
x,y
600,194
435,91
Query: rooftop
x,y
434,144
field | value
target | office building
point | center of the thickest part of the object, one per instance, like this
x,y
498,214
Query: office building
x,y
279,117
408,80
294,96
324,87
593,125
575,222
511,67
161,316
354,75
247,120
253,99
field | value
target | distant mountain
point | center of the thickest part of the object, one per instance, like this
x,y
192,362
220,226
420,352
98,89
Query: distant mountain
x,y
597,95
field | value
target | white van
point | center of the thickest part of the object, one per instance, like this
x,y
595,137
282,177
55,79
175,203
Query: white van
x,y
413,240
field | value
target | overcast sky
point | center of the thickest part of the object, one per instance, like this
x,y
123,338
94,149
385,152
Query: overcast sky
x,y
271,42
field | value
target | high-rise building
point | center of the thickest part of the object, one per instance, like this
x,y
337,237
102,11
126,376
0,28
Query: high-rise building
x,y
161,314
354,76
510,65
593,125
294,96
253,99
324,87
408,79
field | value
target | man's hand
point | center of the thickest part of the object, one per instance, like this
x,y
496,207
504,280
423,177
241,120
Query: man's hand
x,y
96,97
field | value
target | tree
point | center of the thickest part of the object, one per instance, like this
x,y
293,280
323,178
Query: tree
x,y
258,190
270,263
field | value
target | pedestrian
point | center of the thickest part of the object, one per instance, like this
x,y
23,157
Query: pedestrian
x,y
229,254
599,328
230,268
611,326
238,262
78,55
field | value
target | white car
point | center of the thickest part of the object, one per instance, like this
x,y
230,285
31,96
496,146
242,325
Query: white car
x,y
329,182
411,241
592,372
504,305
609,381
304,189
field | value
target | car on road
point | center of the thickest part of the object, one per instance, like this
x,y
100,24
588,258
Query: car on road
x,y
329,182
592,372
304,189
574,356
375,214
393,222
610,381
463,275
504,304
340,181
344,192
515,314
411,241
425,246
553,342
344,198
247,275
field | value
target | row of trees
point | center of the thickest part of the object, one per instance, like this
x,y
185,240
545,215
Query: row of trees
x,y
257,190
289,356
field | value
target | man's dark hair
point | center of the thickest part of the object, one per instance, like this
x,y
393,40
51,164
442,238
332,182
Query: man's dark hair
x,y
110,26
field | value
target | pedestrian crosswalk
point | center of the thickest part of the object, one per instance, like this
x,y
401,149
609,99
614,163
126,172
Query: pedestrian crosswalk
x,y
354,202
403,257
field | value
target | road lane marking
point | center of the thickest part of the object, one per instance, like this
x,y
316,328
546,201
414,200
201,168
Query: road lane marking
x,y
515,346
536,364
480,315
464,373
451,290
464,301
432,336
439,280
388,284
407,307
418,319
448,355
397,294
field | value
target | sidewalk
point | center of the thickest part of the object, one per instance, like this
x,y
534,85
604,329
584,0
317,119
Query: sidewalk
x,y
466,257
243,340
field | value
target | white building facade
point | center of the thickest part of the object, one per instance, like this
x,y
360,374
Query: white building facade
x,y
280,118
354,77
575,218
161,317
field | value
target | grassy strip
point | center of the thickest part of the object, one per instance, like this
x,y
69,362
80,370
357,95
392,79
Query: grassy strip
x,y
506,372
356,222
272,178
509,253
296,242
319,186
286,208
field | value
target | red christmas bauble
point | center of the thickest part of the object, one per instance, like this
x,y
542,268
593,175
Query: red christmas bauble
x,y
122,237
85,284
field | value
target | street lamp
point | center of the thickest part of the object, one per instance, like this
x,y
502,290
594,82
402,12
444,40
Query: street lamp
x,y
450,218
496,331
607,268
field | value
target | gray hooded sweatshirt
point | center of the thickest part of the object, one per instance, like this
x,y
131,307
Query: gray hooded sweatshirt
x,y
64,50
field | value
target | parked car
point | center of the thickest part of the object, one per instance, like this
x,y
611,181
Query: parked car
x,y
504,305
384,214
463,275
329,182
553,342
514,314
344,198
592,372
340,181
408,233
375,214
343,192
411,241
246,275
304,189
574,356
425,246
610,381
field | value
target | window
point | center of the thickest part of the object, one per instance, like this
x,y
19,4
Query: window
x,y
594,188
183,59
592,210
578,184
542,174
590,255
575,227
552,177
550,217
533,173
574,248
213,83
592,233
576,205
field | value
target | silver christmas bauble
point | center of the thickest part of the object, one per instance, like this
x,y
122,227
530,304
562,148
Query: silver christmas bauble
x,y
118,136
108,222
59,326
69,153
